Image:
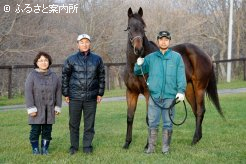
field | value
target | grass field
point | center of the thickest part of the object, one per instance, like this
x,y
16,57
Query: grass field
x,y
232,85
222,142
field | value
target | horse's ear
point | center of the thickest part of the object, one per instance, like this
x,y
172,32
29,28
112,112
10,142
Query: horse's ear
x,y
140,11
130,13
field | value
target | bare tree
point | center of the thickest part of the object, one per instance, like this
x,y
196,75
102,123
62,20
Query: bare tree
x,y
202,22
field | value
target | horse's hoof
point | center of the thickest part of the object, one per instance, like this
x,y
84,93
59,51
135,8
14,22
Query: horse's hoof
x,y
126,146
146,146
195,141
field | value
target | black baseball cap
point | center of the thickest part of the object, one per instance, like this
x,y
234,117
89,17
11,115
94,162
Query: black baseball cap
x,y
164,34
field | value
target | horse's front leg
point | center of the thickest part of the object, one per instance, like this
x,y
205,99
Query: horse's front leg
x,y
146,95
131,104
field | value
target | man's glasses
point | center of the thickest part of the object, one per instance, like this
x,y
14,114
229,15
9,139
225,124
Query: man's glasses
x,y
84,43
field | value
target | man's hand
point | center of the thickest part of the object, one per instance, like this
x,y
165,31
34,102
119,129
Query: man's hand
x,y
180,97
99,99
67,99
34,114
140,61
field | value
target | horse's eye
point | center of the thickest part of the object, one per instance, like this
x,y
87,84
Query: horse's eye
x,y
128,28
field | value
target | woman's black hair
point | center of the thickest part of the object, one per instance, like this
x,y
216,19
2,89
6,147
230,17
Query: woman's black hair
x,y
38,56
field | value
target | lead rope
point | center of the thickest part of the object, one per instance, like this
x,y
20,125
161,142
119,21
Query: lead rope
x,y
170,107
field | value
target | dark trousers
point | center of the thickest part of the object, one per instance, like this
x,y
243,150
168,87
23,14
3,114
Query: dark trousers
x,y
75,112
43,129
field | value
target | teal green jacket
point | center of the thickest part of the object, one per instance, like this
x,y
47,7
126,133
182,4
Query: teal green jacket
x,y
166,73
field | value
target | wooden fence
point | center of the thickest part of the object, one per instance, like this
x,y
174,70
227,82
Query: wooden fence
x,y
107,68
13,67
217,62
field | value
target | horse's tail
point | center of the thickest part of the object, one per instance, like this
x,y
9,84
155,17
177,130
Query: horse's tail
x,y
212,93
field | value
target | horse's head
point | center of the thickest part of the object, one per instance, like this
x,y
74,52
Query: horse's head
x,y
136,31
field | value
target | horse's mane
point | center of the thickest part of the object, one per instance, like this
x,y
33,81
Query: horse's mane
x,y
137,16
153,43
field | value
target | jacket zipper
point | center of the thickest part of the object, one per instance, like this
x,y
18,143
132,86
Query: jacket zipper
x,y
86,77
46,114
164,80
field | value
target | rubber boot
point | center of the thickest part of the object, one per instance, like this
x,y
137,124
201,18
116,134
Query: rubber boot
x,y
152,141
44,146
166,140
35,148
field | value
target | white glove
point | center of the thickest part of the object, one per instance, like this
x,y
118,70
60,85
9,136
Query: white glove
x,y
180,97
57,109
140,61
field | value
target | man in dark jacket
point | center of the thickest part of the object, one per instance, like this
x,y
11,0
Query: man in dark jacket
x,y
83,84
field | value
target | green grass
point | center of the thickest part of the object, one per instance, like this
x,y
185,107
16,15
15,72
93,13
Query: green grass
x,y
15,101
222,142
232,85
115,92
120,92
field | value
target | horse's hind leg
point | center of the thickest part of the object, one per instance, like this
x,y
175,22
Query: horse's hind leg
x,y
199,111
190,96
131,103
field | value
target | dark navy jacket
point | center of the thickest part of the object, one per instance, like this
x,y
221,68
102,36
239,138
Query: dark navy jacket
x,y
83,77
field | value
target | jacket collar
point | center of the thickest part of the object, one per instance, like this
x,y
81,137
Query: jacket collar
x,y
85,53
167,54
48,72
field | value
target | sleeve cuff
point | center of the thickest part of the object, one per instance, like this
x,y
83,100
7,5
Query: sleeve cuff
x,y
32,110
101,93
57,109
181,91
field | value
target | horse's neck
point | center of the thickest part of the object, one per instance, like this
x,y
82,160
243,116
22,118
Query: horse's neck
x,y
149,46
132,58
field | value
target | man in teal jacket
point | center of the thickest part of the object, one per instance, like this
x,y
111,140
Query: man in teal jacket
x,y
166,82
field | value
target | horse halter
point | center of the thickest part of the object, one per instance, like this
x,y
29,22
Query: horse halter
x,y
134,45
138,37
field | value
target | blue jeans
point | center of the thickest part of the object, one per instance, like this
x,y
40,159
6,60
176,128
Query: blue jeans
x,y
155,113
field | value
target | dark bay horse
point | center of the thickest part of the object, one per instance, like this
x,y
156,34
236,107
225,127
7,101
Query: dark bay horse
x,y
198,68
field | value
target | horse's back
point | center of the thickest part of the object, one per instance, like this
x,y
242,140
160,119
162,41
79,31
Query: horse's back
x,y
192,50
198,63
